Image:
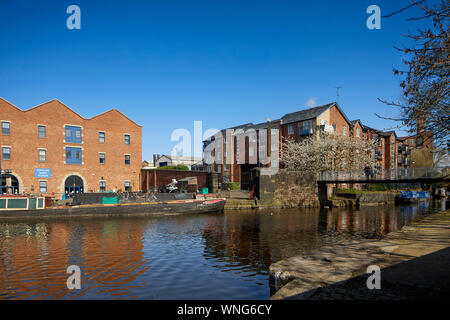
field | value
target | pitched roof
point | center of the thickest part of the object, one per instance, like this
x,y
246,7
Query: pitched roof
x,y
306,114
387,133
44,104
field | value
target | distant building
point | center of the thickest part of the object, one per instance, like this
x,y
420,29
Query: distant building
x,y
147,164
169,160
51,149
390,152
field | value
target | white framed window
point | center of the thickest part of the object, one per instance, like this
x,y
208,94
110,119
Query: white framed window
x,y
357,132
6,128
6,153
43,186
101,157
344,130
42,131
102,185
42,155
127,139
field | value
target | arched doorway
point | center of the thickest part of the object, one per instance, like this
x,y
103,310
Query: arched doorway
x,y
9,184
73,184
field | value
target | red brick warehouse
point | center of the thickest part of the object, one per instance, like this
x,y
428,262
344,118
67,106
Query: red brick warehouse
x,y
50,149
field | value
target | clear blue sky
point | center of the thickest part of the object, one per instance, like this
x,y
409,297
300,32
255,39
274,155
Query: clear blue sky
x,y
167,63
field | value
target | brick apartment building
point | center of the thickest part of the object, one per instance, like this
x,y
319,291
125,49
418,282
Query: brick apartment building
x,y
390,151
50,149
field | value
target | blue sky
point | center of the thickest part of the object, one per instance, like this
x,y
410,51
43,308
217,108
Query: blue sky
x,y
165,64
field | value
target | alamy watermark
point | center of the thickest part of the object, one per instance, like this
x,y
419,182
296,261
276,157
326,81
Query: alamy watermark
x,y
374,20
374,281
74,20
74,280
231,146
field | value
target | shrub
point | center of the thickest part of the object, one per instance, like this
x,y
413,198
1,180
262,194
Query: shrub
x,y
231,186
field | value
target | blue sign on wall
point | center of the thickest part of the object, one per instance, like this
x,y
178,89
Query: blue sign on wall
x,y
42,173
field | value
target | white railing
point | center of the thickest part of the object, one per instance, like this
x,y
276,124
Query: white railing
x,y
387,174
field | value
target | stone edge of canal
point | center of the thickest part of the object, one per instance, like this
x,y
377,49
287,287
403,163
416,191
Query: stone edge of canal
x,y
300,277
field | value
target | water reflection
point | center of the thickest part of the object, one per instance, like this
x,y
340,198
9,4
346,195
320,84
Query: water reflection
x,y
214,256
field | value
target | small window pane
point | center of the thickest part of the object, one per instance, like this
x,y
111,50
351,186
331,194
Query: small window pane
x,y
127,159
101,137
6,126
102,158
127,186
6,153
102,185
127,139
42,131
43,186
42,155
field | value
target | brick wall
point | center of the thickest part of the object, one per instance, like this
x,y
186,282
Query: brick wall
x,y
152,178
54,115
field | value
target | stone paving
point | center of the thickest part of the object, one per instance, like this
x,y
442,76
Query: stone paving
x,y
414,262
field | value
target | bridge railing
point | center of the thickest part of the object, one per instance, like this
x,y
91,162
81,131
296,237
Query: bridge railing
x,y
387,174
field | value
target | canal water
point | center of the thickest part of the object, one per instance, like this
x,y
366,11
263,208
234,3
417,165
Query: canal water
x,y
209,256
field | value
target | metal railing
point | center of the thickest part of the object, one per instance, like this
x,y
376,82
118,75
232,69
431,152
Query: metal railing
x,y
387,174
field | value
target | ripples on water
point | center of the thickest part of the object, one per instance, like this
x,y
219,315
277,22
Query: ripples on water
x,y
211,256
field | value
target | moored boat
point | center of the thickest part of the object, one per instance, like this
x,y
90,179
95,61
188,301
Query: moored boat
x,y
201,205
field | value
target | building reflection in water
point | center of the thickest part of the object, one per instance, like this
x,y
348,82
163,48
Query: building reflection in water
x,y
171,256
257,239
34,258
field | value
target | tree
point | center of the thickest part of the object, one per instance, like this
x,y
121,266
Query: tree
x,y
327,152
425,83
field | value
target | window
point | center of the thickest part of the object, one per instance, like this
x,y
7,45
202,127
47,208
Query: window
x,y
344,130
127,186
102,186
412,142
219,168
42,132
419,141
237,148
101,158
291,129
6,153
127,139
306,127
6,127
262,137
250,151
262,152
127,159
42,155
73,134
226,167
101,137
357,132
334,127
42,186
73,155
